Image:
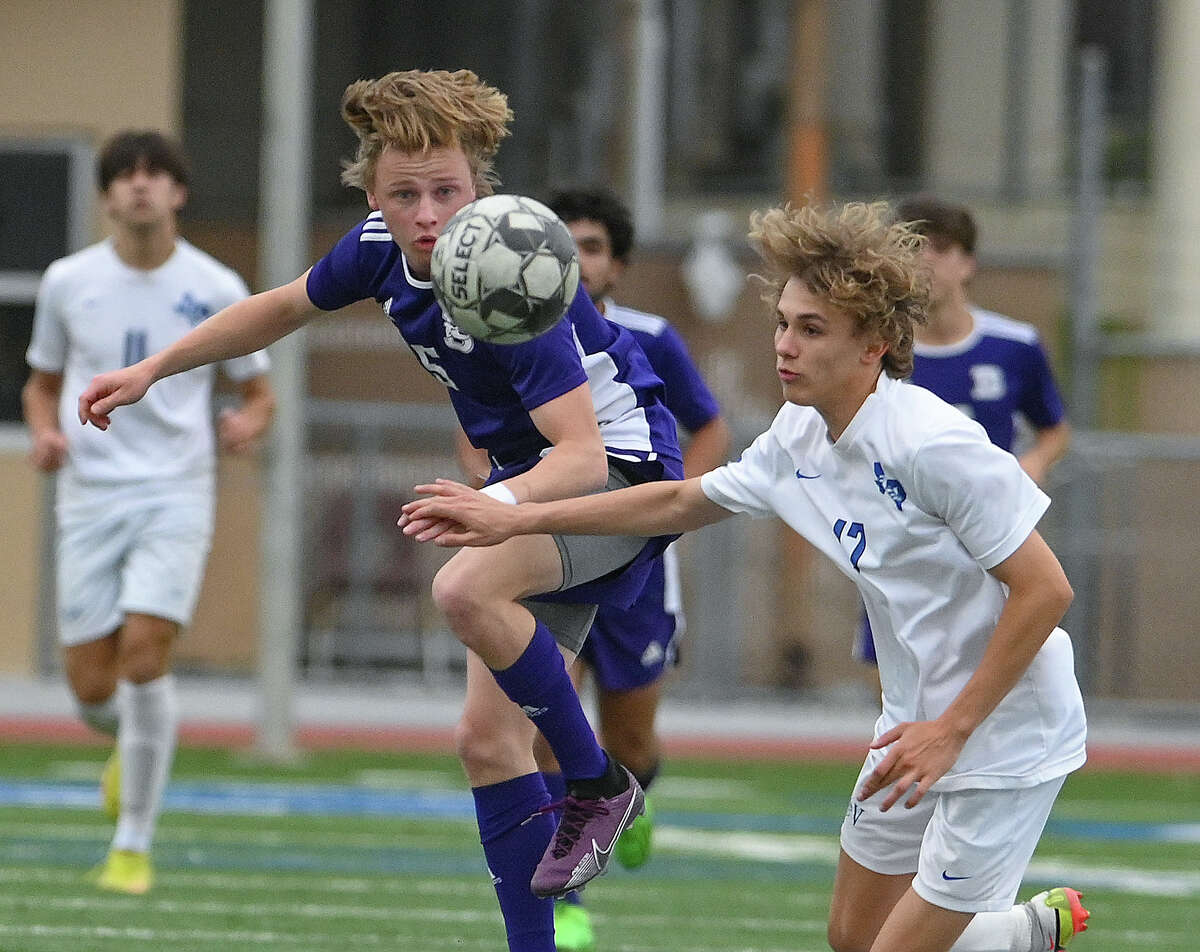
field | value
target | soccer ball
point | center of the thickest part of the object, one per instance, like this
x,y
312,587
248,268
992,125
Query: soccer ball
x,y
505,269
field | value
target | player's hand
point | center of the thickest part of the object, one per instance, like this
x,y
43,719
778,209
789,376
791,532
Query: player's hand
x,y
106,392
237,431
921,752
451,514
49,450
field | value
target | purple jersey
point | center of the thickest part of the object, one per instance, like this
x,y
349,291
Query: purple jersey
x,y
688,397
997,372
493,387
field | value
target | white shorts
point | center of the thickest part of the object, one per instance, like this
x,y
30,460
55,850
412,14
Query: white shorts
x,y
134,555
968,848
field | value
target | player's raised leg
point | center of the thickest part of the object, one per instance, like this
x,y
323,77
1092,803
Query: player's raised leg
x,y
477,590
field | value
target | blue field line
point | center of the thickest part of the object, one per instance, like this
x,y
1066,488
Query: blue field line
x,y
267,799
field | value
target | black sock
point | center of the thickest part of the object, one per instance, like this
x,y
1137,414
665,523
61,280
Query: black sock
x,y
610,783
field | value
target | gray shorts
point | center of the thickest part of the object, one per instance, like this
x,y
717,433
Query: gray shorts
x,y
584,559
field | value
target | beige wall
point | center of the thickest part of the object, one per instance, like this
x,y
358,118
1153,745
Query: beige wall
x,y
20,554
89,69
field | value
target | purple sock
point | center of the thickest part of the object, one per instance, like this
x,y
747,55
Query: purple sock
x,y
538,682
514,837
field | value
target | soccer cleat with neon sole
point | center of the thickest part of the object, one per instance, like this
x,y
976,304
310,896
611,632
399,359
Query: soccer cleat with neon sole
x,y
1060,914
582,845
124,871
573,928
110,786
633,848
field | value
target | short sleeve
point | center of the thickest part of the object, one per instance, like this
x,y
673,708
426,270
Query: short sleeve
x,y
979,491
746,484
1041,402
337,280
687,395
48,343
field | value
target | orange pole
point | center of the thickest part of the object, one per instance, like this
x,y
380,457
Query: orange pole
x,y
807,174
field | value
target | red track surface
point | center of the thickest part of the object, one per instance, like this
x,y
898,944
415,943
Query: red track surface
x,y
50,730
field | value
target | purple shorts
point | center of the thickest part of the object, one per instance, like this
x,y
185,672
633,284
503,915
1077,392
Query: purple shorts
x,y
631,647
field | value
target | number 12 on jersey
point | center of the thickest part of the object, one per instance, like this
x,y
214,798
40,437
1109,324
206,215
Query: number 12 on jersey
x,y
852,530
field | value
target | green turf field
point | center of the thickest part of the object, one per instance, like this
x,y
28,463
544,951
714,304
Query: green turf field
x,y
370,851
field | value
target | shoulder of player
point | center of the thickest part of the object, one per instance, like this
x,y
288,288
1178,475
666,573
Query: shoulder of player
x,y
206,264
916,415
640,321
1001,327
78,264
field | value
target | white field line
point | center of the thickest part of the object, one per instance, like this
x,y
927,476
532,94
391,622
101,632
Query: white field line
x,y
161,938
761,847
327,912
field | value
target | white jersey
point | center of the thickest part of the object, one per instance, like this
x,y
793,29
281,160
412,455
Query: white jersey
x,y
94,314
915,504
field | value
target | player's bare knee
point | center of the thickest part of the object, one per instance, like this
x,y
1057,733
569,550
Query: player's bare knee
x,y
481,748
841,939
455,596
93,689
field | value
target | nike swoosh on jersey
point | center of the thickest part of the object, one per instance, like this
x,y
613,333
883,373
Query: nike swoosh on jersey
x,y
800,475
950,879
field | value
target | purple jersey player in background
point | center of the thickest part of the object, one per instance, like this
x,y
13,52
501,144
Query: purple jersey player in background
x,y
426,145
989,366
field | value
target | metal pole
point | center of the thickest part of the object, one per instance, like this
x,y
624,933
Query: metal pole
x,y
1085,237
646,145
284,222
1083,494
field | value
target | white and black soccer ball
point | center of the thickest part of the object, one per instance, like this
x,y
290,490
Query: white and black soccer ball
x,y
505,269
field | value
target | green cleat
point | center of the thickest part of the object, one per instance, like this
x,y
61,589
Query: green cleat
x,y
124,871
110,786
633,848
573,928
1060,915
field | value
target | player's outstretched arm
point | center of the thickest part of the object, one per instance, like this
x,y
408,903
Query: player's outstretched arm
x,y
451,514
242,328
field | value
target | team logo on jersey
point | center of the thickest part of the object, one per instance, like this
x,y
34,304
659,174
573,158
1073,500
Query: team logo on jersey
x,y
192,310
890,487
454,338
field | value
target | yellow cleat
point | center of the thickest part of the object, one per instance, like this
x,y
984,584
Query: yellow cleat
x,y
110,786
124,871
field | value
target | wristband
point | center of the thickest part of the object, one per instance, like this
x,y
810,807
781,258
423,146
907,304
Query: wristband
x,y
500,492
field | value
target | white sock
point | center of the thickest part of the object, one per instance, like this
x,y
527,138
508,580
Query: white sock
x,y
1007,931
103,717
146,738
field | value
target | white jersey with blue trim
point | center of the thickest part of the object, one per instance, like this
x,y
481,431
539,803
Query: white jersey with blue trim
x,y
915,505
95,313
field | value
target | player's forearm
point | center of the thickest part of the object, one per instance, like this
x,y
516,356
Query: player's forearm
x,y
572,468
39,404
650,509
242,328
1029,616
708,448
258,403
1050,445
